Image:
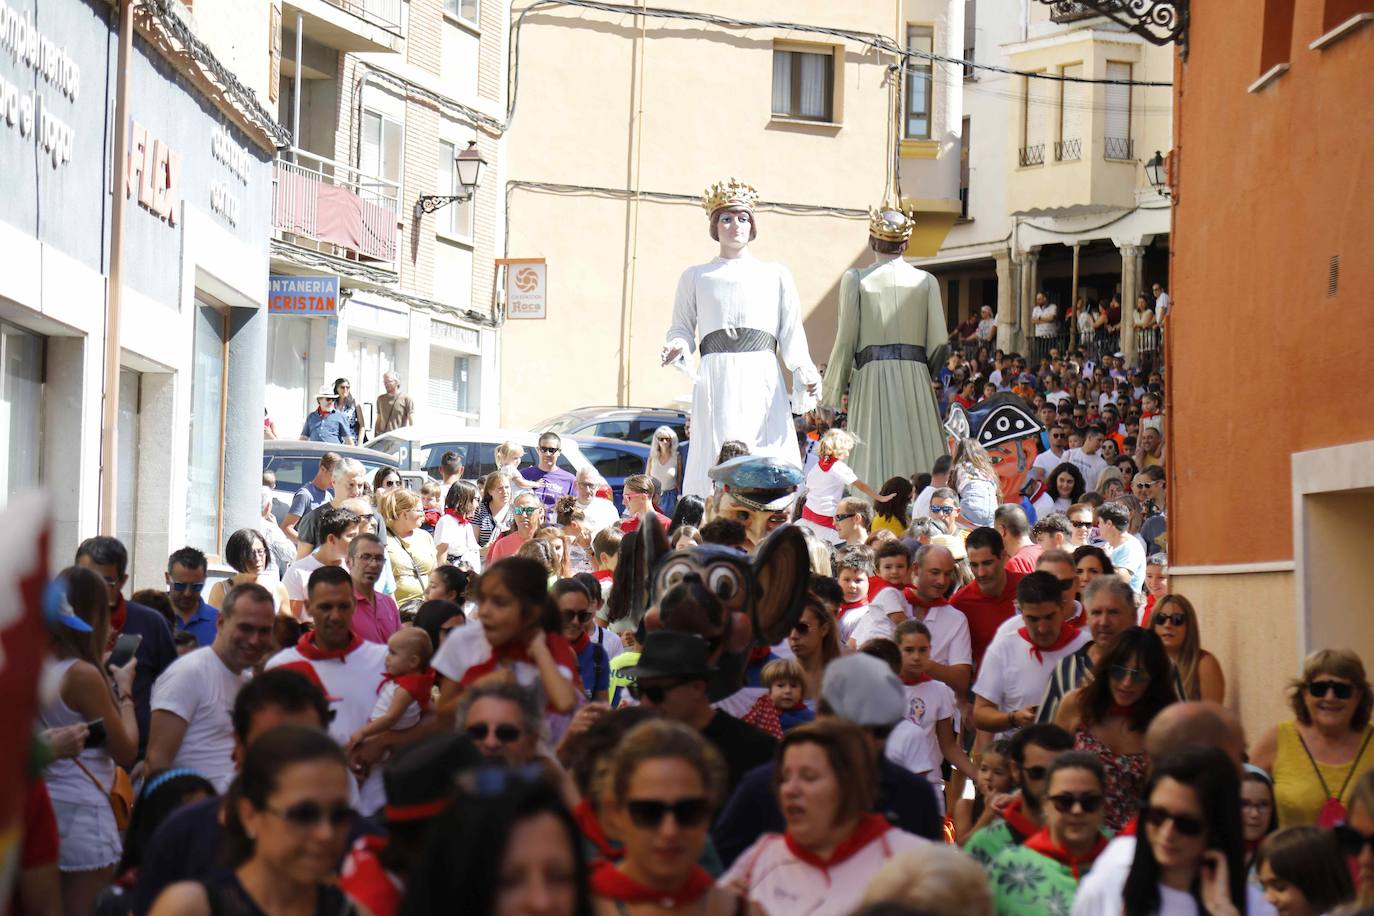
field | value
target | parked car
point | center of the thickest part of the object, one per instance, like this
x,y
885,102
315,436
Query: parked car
x,y
632,424
295,463
420,448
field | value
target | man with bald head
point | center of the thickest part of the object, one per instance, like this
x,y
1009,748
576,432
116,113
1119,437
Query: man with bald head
x,y
1179,726
951,655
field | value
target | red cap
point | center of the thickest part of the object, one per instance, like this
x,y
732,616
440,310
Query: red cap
x,y
307,670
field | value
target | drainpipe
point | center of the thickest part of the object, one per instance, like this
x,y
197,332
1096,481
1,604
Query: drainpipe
x,y
296,92
109,407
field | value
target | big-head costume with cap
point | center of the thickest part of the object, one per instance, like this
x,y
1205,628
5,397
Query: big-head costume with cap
x,y
742,315
1006,426
892,327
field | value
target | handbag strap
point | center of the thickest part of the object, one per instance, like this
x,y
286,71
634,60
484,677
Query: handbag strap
x,y
1368,733
91,776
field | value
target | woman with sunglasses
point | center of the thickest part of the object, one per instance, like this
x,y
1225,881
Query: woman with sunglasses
x,y
1109,715
286,824
385,479
1066,485
665,465
826,778
1317,758
1089,562
815,642
1175,622
527,516
659,796
1032,876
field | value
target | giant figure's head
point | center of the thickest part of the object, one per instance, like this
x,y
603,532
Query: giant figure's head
x,y
756,491
1005,425
737,200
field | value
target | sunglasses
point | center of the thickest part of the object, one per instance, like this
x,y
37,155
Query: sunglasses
x,y
655,693
579,616
1135,675
1035,773
801,628
1351,840
648,813
1177,620
1065,802
549,450
524,510
1066,584
942,510
196,587
1186,824
308,814
505,733
1082,525
844,515
1319,689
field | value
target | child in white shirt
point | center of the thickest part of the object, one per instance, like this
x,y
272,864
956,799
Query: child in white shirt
x,y
508,455
406,688
931,708
825,484
853,566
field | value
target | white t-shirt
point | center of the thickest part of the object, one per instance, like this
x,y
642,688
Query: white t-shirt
x,y
353,679
198,689
461,541
298,576
825,489
1045,462
1100,891
1047,313
921,507
849,622
1161,305
1130,556
918,747
409,719
1011,677
608,641
949,639
876,623
600,514
1091,466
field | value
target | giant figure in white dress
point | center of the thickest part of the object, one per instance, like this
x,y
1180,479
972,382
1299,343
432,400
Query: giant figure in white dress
x,y
742,314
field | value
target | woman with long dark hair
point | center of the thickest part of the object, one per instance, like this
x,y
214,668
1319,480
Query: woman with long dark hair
x,y
1108,716
815,641
509,847
1089,562
455,537
286,825
690,511
348,406
892,515
1066,485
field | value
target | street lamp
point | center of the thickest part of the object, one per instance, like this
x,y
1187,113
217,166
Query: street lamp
x,y
1158,174
470,165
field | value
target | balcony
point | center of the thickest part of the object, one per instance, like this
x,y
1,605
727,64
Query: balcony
x,y
335,209
1072,11
348,25
1031,155
1068,150
1118,148
1083,175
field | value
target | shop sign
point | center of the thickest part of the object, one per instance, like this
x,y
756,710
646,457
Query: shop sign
x,y
527,282
455,334
154,171
307,296
27,111
236,164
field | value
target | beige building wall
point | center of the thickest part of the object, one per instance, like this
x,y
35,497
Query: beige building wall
x,y
240,34
704,114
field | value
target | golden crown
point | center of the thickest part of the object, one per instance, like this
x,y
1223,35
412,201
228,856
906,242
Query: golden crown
x,y
731,193
891,224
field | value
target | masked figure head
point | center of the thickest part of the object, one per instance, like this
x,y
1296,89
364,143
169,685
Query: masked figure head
x,y
1005,425
756,491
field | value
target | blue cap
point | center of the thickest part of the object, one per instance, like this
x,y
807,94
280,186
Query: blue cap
x,y
759,481
58,610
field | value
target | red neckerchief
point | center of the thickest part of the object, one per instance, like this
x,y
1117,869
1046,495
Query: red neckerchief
x,y
610,882
1067,634
763,715
365,880
306,646
419,685
603,575
1015,816
118,617
911,682
1116,709
432,517
876,584
871,827
1148,612
454,513
1040,842
516,651
1130,828
323,413
827,463
590,825
851,605
580,642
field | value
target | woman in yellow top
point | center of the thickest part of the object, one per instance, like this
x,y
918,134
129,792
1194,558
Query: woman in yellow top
x,y
410,549
1317,759
892,515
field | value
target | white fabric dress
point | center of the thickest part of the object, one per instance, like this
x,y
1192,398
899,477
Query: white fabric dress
x,y
742,395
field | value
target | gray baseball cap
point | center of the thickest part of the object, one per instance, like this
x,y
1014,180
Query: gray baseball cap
x,y
863,690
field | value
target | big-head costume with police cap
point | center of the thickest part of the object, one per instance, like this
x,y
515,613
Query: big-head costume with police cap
x,y
719,593
1006,426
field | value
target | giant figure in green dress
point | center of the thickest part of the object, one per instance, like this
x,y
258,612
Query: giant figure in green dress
x,y
892,327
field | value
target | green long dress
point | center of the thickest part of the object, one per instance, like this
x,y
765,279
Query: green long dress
x,y
892,410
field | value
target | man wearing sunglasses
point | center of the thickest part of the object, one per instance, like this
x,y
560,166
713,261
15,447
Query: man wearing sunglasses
x,y
553,480
1032,750
185,574
503,720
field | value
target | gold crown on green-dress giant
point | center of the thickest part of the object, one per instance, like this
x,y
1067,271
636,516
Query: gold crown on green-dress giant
x,y
890,223
730,193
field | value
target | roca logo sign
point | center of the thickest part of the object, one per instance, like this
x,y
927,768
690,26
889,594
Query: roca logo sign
x,y
527,279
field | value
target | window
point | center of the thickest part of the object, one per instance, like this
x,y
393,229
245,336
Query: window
x,y
613,464
1118,122
456,218
379,153
205,489
453,382
1073,99
970,38
468,11
1276,38
918,82
804,85
611,429
1334,12
1035,124
965,140
21,409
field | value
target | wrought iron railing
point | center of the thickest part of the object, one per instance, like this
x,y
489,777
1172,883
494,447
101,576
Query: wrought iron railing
x,y
1032,155
963,203
1070,10
1118,148
384,13
331,204
1068,150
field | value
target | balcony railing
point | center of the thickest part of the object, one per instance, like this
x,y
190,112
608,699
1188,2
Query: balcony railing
x,y
1068,150
1070,10
963,202
1118,148
1032,155
384,13
338,208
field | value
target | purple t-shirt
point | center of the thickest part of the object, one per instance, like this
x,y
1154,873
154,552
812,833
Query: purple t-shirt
x,y
557,482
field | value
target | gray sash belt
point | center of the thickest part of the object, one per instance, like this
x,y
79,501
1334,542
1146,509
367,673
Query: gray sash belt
x,y
740,340
868,354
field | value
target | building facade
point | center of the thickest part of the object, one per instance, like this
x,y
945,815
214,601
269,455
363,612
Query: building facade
x,y
1272,486
791,97
195,176
1053,186
380,97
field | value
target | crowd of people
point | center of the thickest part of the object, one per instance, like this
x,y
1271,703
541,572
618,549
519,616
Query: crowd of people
x,y
414,703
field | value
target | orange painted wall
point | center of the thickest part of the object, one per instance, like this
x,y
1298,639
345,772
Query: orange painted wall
x,y
1270,185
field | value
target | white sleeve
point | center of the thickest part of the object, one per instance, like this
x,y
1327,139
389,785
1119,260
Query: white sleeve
x,y
177,691
960,646
945,707
791,334
990,684
294,581
890,601
844,472
683,331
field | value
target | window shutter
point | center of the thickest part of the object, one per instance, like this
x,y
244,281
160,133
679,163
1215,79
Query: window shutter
x,y
1118,122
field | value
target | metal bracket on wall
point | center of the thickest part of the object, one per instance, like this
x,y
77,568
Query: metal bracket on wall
x,y
1159,22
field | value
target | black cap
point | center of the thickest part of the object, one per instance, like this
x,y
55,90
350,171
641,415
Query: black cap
x,y
668,653
421,778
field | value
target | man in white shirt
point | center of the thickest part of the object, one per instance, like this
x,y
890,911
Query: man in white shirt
x,y
951,655
338,527
1161,303
350,668
1123,548
1044,315
1087,459
600,512
192,702
939,477
1018,663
